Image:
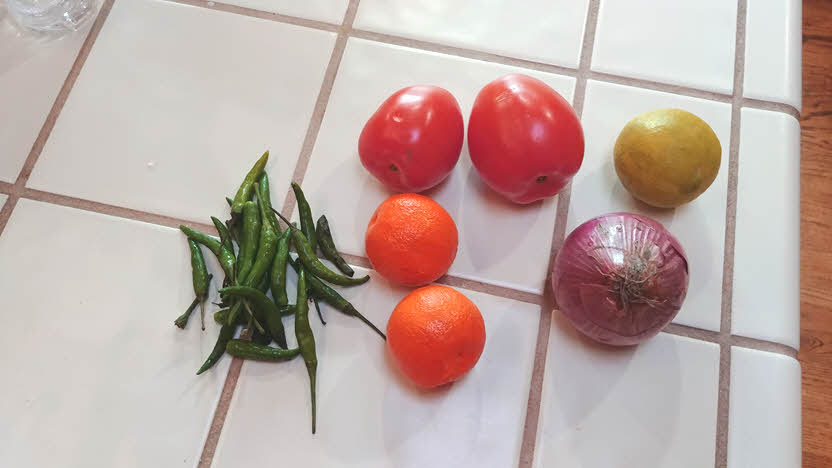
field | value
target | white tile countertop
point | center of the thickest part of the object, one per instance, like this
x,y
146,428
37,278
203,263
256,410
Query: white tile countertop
x,y
113,136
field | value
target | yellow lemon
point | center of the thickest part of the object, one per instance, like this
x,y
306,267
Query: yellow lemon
x,y
667,157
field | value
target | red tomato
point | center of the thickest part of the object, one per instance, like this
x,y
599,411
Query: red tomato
x,y
525,140
413,140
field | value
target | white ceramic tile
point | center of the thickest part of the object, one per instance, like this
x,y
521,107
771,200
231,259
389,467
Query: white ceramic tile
x,y
330,11
699,225
369,416
3,199
683,42
499,242
653,405
773,51
33,68
764,410
543,31
766,295
168,122
94,371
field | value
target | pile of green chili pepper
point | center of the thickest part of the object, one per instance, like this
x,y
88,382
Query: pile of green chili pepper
x,y
257,266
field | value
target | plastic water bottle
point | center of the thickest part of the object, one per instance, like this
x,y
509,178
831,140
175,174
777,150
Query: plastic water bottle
x,y
51,15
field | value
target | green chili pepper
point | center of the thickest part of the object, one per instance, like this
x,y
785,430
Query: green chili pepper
x,y
213,245
265,197
182,320
222,231
264,284
233,227
265,253
200,277
226,256
313,263
287,310
249,350
307,224
250,239
221,316
246,189
325,293
200,238
278,273
201,281
327,246
226,333
306,339
263,308
234,313
318,308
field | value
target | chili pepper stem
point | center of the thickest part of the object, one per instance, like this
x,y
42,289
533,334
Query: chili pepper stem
x,y
247,331
283,218
231,225
182,320
253,319
318,308
234,311
312,391
368,322
202,313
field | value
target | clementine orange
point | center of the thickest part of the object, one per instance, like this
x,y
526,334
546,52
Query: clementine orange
x,y
411,240
435,335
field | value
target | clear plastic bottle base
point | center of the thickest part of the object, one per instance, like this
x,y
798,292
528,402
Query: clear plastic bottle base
x,y
51,15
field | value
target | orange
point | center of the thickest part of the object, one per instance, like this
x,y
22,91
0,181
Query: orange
x,y
435,335
411,240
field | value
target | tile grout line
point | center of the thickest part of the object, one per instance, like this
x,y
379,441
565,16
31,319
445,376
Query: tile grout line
x,y
320,107
260,14
492,289
724,388
723,400
63,95
356,260
762,345
223,405
428,46
493,58
112,210
724,338
534,402
659,86
206,457
771,106
14,191
465,283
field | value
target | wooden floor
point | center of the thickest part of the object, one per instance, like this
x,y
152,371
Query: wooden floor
x,y
816,234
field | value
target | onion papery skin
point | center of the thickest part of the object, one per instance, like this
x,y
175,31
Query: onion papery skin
x,y
620,278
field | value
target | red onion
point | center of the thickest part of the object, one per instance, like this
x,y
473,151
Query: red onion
x,y
620,278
